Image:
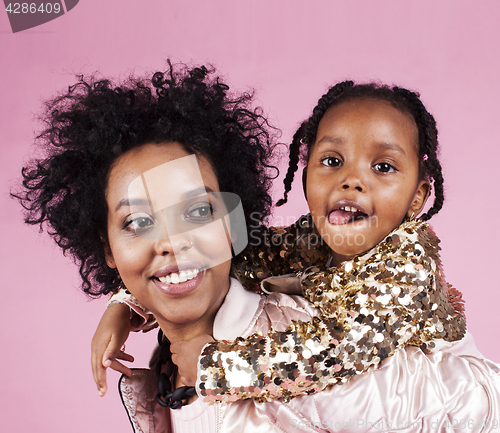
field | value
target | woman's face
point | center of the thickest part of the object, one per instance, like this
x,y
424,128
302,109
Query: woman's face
x,y
171,252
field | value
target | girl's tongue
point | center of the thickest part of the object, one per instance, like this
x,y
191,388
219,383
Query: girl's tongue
x,y
340,216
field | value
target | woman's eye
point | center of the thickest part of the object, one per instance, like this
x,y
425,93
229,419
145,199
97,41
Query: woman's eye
x,y
331,161
200,213
140,224
384,167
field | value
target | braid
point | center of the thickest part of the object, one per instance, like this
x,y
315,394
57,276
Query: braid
x,y
293,164
324,103
306,134
430,167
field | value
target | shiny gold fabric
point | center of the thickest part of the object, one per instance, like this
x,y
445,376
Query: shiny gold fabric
x,y
280,251
390,297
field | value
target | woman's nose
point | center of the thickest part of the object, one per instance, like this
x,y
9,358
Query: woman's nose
x,y
173,244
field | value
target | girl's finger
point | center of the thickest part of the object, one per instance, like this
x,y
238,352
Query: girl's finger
x,y
99,373
125,356
118,366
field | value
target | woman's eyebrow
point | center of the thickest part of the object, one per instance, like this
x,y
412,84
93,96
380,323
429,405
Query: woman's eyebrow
x,y
132,202
145,202
197,191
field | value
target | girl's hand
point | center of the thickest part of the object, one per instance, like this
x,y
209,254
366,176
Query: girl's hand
x,y
107,343
185,355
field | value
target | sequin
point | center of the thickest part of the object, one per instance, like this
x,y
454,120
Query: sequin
x,y
378,302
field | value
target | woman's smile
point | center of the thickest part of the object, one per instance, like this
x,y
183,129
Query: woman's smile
x,y
179,279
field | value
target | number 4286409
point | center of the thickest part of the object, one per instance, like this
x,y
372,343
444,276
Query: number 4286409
x,y
32,8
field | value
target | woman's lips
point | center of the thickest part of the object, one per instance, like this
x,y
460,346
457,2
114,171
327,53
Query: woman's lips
x,y
180,288
177,279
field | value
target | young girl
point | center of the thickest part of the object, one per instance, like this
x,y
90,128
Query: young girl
x,y
371,154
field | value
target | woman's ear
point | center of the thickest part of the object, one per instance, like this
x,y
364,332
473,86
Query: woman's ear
x,y
110,261
419,199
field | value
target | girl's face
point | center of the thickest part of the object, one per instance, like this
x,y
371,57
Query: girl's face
x,y
170,272
363,175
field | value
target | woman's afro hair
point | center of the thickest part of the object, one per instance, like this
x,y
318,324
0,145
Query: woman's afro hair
x,y
402,99
95,121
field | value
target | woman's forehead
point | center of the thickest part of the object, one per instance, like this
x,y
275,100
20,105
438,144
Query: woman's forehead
x,y
161,173
169,183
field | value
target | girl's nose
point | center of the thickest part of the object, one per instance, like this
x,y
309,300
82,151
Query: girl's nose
x,y
353,179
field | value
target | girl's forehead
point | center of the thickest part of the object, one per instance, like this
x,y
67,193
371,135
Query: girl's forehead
x,y
370,113
367,106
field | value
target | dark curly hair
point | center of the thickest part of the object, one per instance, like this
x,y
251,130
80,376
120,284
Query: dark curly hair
x,y
402,99
94,122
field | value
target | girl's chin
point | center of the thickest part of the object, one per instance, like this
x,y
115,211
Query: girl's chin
x,y
345,248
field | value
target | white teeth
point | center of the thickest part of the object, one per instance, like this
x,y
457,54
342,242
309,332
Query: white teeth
x,y
181,277
349,209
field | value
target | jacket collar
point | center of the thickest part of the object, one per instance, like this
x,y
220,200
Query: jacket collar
x,y
236,312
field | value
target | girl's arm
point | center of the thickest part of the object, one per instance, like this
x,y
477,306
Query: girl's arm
x,y
123,314
393,296
107,343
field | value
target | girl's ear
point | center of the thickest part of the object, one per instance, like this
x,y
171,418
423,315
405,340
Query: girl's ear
x,y
419,199
304,181
107,253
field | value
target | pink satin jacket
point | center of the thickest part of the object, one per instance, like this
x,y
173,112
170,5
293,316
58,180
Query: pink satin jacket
x,y
453,389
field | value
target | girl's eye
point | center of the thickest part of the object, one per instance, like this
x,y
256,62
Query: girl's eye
x,y
200,213
384,167
331,161
140,224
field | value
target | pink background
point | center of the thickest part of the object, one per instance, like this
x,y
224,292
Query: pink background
x,y
289,51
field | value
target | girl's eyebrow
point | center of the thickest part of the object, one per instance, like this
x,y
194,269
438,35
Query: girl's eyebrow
x,y
328,139
391,146
382,145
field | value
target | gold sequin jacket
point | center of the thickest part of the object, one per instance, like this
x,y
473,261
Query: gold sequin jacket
x,y
390,297
381,301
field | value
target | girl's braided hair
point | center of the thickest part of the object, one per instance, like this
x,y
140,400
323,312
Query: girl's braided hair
x,y
95,122
402,99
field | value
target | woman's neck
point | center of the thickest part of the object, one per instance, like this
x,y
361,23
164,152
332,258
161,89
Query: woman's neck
x,y
187,331
176,331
